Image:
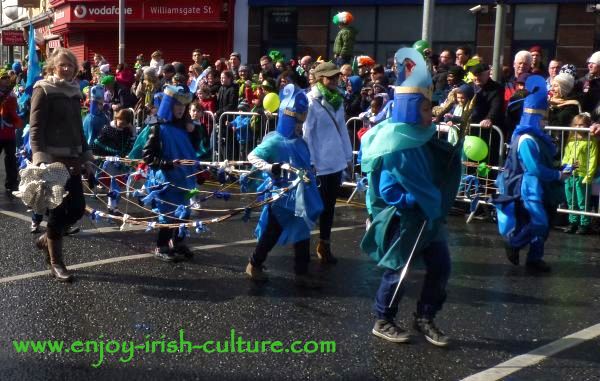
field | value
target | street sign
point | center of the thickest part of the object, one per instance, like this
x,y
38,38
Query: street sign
x,y
13,38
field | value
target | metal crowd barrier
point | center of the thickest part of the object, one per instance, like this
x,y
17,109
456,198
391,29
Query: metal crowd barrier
x,y
238,133
579,137
478,180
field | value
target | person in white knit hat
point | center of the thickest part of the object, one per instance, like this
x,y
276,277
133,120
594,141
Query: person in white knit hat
x,y
563,104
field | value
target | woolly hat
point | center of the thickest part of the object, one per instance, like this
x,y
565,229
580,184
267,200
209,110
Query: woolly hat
x,y
16,66
365,61
343,18
594,58
569,69
565,82
105,69
243,106
108,80
150,71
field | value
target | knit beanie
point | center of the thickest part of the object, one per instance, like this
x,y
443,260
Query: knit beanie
x,y
565,82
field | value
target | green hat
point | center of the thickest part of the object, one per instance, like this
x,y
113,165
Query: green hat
x,y
420,46
3,73
107,80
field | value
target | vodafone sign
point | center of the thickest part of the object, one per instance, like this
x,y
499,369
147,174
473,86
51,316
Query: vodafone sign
x,y
140,10
97,12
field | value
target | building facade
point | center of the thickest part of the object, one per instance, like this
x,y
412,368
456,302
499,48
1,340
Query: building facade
x,y
564,29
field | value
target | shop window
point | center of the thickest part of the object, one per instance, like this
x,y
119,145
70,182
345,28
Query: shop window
x,y
453,23
402,23
535,22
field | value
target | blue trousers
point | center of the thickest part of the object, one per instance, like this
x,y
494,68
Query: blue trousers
x,y
534,228
433,295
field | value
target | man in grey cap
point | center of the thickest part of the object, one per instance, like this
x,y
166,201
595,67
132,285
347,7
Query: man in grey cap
x,y
329,144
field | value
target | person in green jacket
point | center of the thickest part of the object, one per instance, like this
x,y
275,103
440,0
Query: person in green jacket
x,y
582,154
343,46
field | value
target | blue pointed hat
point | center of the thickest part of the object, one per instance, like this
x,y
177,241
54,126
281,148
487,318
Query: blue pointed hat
x,y
535,105
96,99
413,85
292,109
171,96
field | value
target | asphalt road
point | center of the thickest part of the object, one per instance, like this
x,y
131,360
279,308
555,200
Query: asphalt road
x,y
494,312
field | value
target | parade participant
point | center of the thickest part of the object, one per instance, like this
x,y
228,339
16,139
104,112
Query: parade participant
x,y
169,142
96,119
199,131
413,180
9,122
56,135
115,139
343,46
330,148
582,155
289,219
529,188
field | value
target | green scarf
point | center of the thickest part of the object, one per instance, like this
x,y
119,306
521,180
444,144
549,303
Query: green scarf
x,y
332,97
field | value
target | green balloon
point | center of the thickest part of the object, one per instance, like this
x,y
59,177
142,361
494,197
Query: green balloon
x,y
475,148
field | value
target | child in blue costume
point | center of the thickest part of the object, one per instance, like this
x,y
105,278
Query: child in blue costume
x,y
529,188
96,119
413,180
289,219
169,142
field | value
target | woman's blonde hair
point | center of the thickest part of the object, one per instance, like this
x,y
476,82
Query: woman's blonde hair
x,y
56,55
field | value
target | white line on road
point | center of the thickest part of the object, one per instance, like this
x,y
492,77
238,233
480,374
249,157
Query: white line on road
x,y
535,356
143,256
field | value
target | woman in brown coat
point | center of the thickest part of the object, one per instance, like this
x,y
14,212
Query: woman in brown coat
x,y
57,136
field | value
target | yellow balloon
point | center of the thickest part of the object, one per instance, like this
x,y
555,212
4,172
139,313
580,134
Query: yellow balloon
x,y
271,102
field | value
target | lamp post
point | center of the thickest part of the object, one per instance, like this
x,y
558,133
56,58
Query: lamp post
x,y
121,31
1,27
426,28
498,41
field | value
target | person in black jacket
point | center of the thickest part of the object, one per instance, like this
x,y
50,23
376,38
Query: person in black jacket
x,y
589,87
487,110
227,97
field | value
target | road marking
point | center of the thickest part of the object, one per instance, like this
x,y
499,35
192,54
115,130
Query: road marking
x,y
535,356
143,256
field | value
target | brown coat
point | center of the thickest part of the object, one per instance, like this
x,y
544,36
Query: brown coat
x,y
56,132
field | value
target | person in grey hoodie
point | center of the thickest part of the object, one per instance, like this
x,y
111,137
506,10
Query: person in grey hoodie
x,y
330,149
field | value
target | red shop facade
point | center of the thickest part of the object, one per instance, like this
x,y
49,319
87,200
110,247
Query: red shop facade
x,y
175,27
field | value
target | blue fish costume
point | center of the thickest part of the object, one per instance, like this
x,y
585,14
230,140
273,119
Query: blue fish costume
x,y
289,219
96,119
169,183
413,180
529,187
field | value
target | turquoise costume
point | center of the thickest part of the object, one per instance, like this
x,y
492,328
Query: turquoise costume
x,y
413,180
96,119
168,182
529,188
289,219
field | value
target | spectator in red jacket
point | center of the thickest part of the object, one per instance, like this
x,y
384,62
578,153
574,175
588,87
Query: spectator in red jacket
x,y
9,122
